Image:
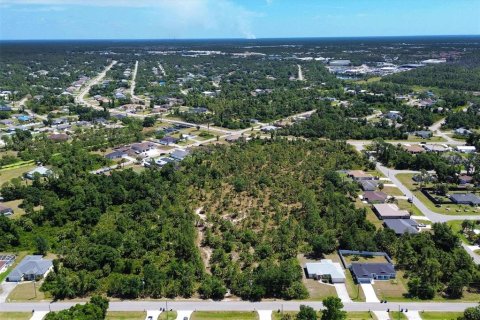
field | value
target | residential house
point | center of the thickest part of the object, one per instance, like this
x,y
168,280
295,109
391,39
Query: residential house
x,y
465,179
389,211
401,226
359,175
465,198
436,148
268,128
466,149
58,137
424,134
413,149
118,153
368,185
179,154
167,141
462,132
367,272
42,171
393,115
325,270
6,211
30,268
375,196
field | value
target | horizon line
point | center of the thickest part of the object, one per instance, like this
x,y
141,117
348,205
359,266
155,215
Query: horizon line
x,y
239,38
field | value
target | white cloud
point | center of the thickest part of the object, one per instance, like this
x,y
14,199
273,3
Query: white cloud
x,y
178,15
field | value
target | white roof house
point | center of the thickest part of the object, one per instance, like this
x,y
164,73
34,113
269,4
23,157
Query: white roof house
x,y
466,149
42,171
325,269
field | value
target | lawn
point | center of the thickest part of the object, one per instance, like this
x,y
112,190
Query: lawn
x,y
392,191
227,315
440,315
9,174
396,315
392,289
168,315
15,315
353,289
130,315
17,211
413,138
361,315
450,209
317,291
25,292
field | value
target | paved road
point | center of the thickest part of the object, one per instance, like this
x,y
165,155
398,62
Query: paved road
x,y
80,98
433,216
436,128
243,306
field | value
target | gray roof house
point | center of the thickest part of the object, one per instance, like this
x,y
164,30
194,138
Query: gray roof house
x,y
401,226
325,269
367,272
179,154
30,268
6,211
368,185
465,198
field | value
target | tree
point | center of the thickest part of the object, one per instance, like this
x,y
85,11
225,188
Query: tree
x,y
471,314
212,288
306,313
41,245
333,309
148,122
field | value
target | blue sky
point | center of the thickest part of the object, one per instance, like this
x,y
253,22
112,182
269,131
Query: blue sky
x,y
167,19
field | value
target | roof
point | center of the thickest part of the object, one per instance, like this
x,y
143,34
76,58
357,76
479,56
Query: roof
x,y
465,178
4,209
414,148
40,170
401,226
390,210
325,267
31,265
365,270
359,174
179,154
375,196
369,185
465,198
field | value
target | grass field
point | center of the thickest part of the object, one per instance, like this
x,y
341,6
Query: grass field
x,y
392,290
395,315
9,174
15,315
25,292
350,315
450,209
169,315
132,315
230,315
440,315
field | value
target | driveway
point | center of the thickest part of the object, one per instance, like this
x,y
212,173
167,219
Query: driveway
x,y
381,315
153,313
181,314
38,315
264,314
342,292
369,292
5,289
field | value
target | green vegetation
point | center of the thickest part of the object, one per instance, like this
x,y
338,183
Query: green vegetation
x,y
125,315
94,310
15,315
227,315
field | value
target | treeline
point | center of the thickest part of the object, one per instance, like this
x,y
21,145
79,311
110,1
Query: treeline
x,y
469,119
95,309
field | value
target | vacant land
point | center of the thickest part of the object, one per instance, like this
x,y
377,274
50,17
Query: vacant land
x,y
15,315
117,315
8,174
27,291
391,290
440,315
233,315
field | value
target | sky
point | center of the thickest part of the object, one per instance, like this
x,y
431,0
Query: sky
x,y
193,19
